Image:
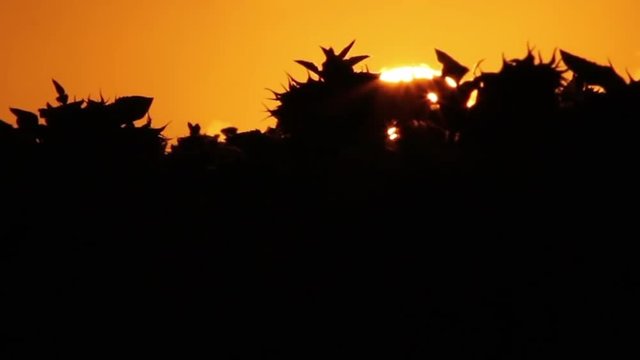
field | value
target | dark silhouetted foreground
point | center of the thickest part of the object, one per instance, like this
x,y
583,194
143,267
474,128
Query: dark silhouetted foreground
x,y
372,220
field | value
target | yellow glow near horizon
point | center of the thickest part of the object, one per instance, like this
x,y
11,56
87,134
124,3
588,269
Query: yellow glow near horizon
x,y
211,60
405,74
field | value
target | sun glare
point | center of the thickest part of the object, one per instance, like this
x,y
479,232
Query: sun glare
x,y
405,74
392,133
473,98
433,97
451,82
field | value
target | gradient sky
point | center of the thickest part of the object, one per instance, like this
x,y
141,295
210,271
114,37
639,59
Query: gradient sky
x,y
209,61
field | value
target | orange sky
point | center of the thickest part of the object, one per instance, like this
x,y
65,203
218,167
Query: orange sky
x,y
209,61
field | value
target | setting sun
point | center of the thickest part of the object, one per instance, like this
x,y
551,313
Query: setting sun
x,y
405,74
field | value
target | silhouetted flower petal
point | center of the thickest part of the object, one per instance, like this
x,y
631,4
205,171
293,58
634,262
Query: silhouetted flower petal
x,y
26,120
592,73
450,67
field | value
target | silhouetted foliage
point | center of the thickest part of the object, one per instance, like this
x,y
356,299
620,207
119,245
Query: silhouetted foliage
x,y
332,110
197,150
487,221
96,131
